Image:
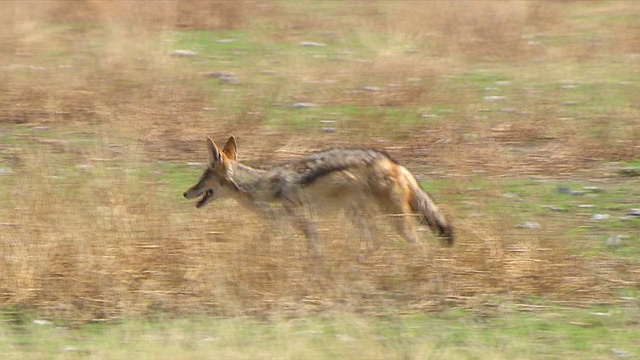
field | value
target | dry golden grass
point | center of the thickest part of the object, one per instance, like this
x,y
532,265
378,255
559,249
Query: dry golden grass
x,y
90,230
102,245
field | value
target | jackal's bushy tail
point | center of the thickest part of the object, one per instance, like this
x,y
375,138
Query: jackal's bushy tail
x,y
422,203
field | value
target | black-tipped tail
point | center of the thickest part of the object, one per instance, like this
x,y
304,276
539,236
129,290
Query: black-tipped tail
x,y
432,216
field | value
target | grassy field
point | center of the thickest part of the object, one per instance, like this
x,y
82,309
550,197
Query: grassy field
x,y
518,333
520,118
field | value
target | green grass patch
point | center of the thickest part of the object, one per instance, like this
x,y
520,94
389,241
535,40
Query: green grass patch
x,y
556,332
632,163
240,49
221,43
314,117
587,217
179,177
389,121
482,79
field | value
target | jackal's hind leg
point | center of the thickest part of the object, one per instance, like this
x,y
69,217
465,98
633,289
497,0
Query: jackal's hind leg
x,y
362,220
402,217
303,219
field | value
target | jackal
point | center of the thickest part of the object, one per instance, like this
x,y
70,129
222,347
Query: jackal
x,y
327,180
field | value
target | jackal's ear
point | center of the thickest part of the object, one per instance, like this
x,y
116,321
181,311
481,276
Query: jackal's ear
x,y
231,149
214,152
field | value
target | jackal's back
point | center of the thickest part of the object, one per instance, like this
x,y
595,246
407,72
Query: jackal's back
x,y
314,166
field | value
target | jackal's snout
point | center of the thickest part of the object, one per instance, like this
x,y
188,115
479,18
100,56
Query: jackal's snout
x,y
192,193
207,195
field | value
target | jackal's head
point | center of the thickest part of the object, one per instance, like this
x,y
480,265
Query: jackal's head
x,y
217,179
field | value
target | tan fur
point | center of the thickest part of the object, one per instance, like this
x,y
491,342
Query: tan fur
x,y
342,179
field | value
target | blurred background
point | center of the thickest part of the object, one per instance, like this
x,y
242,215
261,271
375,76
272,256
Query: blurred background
x,y
521,118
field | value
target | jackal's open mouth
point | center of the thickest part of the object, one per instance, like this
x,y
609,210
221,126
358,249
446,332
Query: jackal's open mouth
x,y
205,198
